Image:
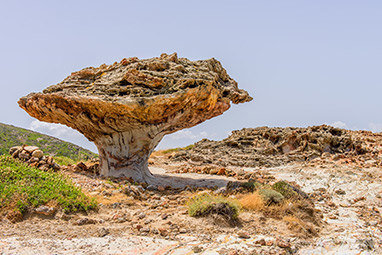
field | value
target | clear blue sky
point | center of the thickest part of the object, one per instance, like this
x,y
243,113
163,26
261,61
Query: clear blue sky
x,y
304,62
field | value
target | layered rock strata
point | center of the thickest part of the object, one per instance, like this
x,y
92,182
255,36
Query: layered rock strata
x,y
126,108
270,147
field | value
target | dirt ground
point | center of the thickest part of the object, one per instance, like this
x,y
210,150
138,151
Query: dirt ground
x,y
133,219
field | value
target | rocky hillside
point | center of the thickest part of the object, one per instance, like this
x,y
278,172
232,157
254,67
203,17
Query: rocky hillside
x,y
13,136
264,146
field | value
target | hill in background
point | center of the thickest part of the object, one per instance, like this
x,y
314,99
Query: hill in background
x,y
14,136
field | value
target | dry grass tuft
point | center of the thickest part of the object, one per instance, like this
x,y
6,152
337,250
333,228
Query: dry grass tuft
x,y
252,201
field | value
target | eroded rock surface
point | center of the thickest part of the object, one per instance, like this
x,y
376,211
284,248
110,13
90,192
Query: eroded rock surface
x,y
264,146
126,108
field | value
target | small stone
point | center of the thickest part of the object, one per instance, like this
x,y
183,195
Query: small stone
x,y
80,167
103,232
34,164
182,231
221,171
16,153
144,230
161,188
333,217
340,192
197,249
116,205
282,243
14,149
141,215
49,160
358,199
148,221
164,216
23,155
332,204
344,203
84,221
44,167
163,231
121,219
243,234
261,242
33,159
37,154
45,210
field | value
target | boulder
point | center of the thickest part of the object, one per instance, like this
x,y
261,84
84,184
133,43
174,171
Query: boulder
x,y
37,153
14,149
31,149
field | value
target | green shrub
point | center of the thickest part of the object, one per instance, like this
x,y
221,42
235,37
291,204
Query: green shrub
x,y
271,196
23,187
251,185
285,189
206,204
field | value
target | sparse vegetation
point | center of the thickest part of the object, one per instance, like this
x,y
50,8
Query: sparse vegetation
x,y
206,204
189,147
281,201
63,161
23,187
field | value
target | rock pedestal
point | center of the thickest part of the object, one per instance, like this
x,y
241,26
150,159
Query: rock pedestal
x,y
126,108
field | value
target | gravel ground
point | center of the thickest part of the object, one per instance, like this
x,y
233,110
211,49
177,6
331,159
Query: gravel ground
x,y
348,196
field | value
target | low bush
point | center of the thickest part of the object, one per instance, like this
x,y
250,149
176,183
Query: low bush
x,y
285,189
206,204
23,187
271,196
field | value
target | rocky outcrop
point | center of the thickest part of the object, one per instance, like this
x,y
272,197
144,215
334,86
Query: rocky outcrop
x,y
34,157
126,108
264,146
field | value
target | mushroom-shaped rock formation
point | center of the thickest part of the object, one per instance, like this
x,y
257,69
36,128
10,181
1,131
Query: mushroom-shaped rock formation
x,y
126,108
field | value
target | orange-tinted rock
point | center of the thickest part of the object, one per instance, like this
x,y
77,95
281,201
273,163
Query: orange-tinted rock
x,y
126,108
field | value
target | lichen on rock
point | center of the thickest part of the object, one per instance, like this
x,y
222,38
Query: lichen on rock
x,y
126,108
